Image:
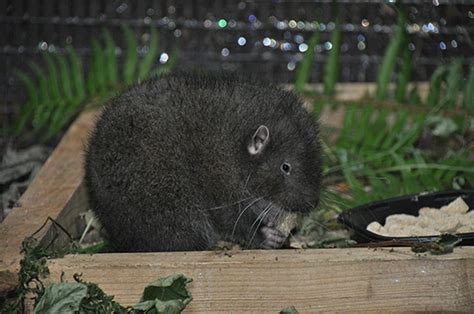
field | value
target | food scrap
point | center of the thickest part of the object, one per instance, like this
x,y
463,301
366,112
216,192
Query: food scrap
x,y
453,218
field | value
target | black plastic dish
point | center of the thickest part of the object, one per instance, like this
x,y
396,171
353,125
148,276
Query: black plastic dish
x,y
357,219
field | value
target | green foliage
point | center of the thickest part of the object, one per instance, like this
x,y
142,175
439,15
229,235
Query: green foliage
x,y
453,83
61,298
33,270
468,102
331,71
391,54
448,87
111,57
131,59
435,85
443,245
58,91
303,71
381,159
165,295
289,310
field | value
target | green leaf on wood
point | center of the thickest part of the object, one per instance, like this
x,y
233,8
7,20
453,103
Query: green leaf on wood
x,y
165,295
61,298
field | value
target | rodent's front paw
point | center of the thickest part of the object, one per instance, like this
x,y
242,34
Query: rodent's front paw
x,y
273,238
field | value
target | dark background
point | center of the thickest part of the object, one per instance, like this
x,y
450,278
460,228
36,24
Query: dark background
x,y
274,33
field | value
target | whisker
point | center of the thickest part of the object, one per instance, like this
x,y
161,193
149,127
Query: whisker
x,y
231,204
247,182
260,216
265,213
243,211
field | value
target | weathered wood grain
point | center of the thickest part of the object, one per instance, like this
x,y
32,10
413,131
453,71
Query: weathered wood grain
x,y
55,192
311,280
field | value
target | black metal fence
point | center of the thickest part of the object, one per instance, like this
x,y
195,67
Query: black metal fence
x,y
263,37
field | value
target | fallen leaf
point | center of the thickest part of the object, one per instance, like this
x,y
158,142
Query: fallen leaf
x,y
61,298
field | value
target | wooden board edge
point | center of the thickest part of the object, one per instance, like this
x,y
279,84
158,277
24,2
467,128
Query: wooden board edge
x,y
319,279
55,192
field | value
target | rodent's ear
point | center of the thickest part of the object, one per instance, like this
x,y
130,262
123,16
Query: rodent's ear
x,y
259,140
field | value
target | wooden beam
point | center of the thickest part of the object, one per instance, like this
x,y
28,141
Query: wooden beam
x,y
55,192
312,280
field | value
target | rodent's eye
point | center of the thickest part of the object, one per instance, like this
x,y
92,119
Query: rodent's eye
x,y
285,168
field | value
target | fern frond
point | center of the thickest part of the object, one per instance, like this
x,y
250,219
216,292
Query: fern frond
x,y
77,74
110,59
33,101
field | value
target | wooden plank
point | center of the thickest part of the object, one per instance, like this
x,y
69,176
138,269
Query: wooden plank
x,y
312,280
55,193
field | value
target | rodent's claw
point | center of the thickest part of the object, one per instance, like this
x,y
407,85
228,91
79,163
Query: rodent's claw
x,y
273,238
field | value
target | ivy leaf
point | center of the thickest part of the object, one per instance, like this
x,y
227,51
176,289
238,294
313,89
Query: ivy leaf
x,y
158,306
62,298
165,295
444,245
289,310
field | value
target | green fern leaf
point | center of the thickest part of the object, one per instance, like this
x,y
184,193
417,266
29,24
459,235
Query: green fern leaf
x,y
110,59
77,74
33,101
40,113
130,66
65,78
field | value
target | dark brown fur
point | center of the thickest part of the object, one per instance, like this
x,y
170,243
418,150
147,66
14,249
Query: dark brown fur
x,y
168,167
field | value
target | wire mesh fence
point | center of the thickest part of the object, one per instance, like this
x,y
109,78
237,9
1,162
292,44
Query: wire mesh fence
x,y
263,38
